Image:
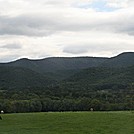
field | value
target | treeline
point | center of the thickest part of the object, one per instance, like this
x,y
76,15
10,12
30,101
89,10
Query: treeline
x,y
58,99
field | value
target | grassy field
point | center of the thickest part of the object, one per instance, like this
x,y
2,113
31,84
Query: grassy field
x,y
68,123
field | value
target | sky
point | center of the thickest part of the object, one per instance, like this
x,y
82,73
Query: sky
x,y
37,29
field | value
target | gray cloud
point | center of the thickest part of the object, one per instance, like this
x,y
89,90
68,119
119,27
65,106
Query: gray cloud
x,y
24,25
50,23
12,46
98,46
75,49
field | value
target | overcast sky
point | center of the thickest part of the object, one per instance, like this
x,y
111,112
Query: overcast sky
x,y
46,28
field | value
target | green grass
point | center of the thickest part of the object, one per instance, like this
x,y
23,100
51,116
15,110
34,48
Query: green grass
x,y
68,123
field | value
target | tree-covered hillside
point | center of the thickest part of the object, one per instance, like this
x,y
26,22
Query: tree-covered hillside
x,y
59,68
122,60
22,78
57,63
68,84
102,78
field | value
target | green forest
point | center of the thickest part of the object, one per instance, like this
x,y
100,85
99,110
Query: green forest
x,y
74,84
58,99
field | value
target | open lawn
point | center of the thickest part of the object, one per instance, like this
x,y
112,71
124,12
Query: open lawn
x,y
68,123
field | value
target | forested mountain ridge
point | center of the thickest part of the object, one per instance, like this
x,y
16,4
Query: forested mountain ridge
x,y
122,60
68,84
101,78
24,73
21,78
56,68
57,63
63,63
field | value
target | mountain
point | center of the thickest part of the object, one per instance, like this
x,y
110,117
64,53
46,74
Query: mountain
x,y
57,68
22,78
86,71
101,78
57,63
68,84
25,73
122,60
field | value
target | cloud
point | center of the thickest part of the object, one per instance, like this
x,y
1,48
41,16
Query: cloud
x,y
50,23
26,25
12,46
99,44
75,49
49,20
9,58
117,3
65,28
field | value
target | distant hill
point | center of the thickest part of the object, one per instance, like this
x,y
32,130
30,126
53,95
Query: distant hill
x,y
57,68
101,78
24,73
122,60
58,63
22,78
54,64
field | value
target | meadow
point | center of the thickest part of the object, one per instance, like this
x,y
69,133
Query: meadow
x,y
68,123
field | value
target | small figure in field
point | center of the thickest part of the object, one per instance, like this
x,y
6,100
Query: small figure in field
x,y
0,118
2,112
91,109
